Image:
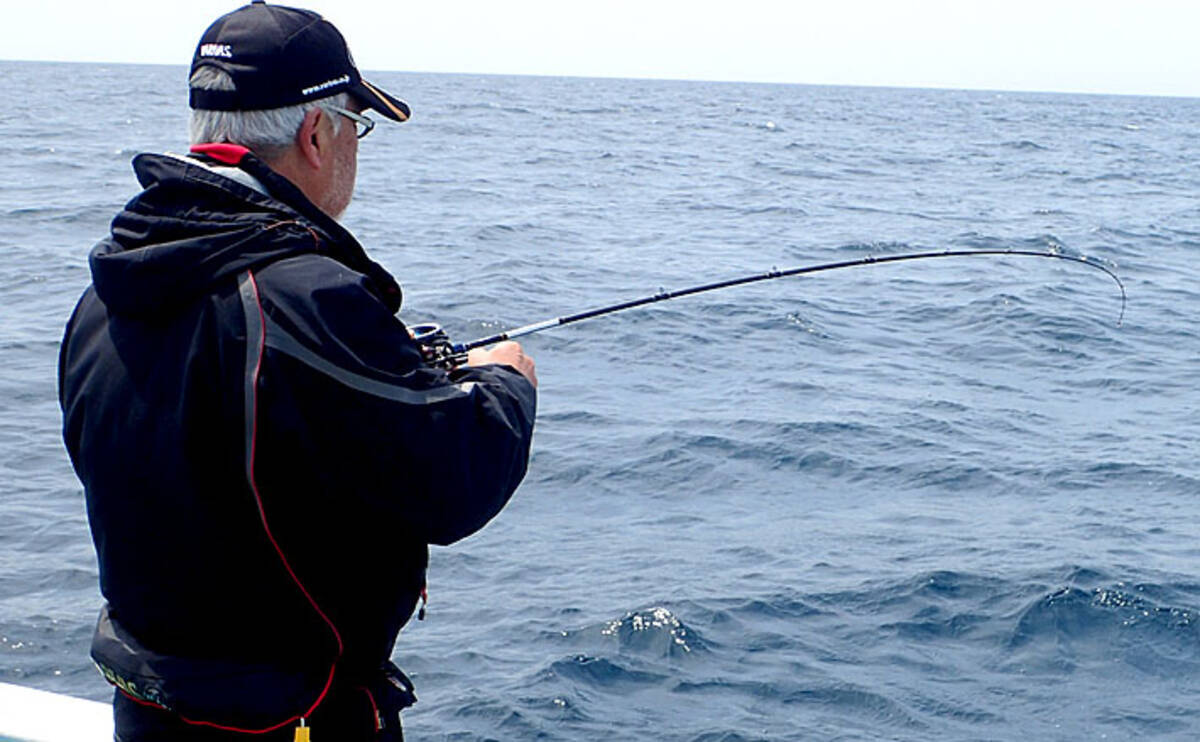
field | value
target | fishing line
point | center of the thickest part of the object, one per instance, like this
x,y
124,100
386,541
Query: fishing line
x,y
440,350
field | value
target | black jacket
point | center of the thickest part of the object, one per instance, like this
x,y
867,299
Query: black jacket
x,y
264,452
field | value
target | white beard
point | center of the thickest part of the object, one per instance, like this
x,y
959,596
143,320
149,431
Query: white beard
x,y
345,172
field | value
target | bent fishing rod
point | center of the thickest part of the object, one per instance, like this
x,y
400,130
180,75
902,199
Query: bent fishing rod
x,y
440,351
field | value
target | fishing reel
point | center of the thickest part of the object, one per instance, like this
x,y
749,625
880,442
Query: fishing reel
x,y
436,347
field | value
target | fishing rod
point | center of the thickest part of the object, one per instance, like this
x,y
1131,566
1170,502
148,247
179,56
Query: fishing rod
x,y
440,351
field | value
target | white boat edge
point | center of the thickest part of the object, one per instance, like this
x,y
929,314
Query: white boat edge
x,y
31,715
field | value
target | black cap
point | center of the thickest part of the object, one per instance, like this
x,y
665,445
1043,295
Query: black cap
x,y
279,56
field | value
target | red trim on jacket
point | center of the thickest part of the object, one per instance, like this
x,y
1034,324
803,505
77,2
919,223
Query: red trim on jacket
x,y
230,154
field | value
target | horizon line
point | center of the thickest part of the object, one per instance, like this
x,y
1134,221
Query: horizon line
x,y
652,78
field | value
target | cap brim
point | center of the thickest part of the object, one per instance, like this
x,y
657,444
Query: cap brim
x,y
380,101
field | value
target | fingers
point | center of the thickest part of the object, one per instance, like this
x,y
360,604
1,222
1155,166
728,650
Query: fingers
x,y
507,353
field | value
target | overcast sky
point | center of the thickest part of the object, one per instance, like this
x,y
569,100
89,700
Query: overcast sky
x,y
1097,46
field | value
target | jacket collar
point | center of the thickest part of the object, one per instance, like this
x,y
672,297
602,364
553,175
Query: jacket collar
x,y
345,248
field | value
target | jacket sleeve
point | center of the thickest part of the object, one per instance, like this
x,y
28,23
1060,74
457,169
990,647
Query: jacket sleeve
x,y
347,411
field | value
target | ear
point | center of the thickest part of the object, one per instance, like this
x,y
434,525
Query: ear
x,y
312,138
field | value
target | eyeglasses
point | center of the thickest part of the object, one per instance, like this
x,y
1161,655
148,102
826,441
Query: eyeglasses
x,y
362,124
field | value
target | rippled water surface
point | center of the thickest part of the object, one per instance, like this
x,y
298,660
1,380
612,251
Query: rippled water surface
x,y
949,499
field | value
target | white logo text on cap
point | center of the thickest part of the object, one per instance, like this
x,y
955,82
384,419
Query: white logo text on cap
x,y
216,50
325,85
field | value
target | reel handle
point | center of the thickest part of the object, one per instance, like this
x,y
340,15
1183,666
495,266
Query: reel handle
x,y
436,346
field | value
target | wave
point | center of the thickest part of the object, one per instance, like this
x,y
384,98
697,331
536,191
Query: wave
x,y
1025,145
657,632
1073,627
651,633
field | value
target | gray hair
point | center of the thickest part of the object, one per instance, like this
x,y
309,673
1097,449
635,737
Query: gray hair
x,y
267,133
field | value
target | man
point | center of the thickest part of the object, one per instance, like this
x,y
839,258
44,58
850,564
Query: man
x,y
265,451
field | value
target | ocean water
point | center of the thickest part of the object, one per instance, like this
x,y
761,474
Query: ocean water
x,y
948,499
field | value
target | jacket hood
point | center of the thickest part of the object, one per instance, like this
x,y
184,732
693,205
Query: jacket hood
x,y
192,227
